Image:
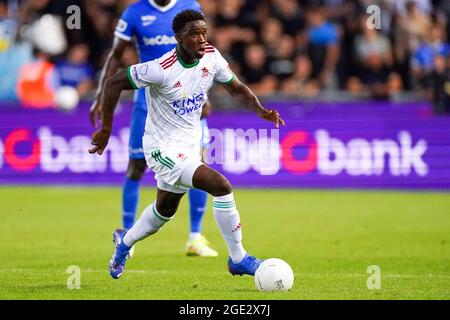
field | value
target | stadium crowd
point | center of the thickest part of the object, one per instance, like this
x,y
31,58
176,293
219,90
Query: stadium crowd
x,y
290,48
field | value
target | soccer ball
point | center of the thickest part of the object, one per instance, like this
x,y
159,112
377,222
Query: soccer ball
x,y
66,98
274,275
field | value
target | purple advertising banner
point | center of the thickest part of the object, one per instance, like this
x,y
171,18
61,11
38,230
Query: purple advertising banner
x,y
323,145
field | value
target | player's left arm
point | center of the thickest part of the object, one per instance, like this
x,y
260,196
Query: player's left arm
x,y
241,92
110,95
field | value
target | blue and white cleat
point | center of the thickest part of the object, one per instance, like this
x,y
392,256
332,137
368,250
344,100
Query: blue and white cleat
x,y
118,234
248,265
120,256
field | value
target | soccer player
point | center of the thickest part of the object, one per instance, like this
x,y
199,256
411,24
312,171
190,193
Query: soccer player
x,y
177,84
148,23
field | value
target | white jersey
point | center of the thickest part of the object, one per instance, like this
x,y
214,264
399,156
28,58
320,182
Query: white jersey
x,y
175,95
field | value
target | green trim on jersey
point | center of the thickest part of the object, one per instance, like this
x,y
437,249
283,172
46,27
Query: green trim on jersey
x,y
187,65
130,78
229,81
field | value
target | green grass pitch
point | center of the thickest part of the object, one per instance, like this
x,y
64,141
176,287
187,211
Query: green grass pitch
x,y
330,238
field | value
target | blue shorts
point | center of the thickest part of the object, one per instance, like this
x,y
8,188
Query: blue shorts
x,y
206,138
137,128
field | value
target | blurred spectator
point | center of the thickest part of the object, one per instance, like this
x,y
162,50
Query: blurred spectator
x,y
376,78
423,60
98,30
11,61
232,15
282,63
323,45
289,13
8,28
271,33
371,42
300,83
412,26
209,8
12,55
37,83
345,15
444,7
256,71
374,61
234,28
374,74
440,85
75,71
401,6
32,10
415,25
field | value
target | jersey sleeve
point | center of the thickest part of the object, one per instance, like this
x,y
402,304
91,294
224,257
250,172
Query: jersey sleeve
x,y
125,28
224,74
144,74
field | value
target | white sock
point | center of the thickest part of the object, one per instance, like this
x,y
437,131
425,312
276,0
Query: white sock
x,y
227,218
194,235
149,223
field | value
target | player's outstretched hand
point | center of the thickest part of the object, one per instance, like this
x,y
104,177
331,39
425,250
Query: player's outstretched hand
x,y
95,114
272,116
99,141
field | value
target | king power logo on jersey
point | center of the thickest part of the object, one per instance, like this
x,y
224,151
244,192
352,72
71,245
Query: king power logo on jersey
x,y
235,151
187,105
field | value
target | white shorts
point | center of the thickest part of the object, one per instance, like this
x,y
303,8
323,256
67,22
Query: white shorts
x,y
169,163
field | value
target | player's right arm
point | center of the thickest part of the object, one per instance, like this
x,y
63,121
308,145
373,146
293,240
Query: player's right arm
x,y
134,77
109,96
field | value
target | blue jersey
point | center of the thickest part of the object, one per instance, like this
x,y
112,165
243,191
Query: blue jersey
x,y
150,27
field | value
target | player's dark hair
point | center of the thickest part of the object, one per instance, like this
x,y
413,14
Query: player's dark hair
x,y
184,17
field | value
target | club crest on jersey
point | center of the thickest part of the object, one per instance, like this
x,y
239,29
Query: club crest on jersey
x,y
147,20
188,105
143,70
205,72
177,84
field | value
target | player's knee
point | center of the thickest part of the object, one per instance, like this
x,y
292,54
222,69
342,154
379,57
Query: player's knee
x,y
166,209
222,187
136,169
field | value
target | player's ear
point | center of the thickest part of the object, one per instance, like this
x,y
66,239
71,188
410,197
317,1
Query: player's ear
x,y
178,37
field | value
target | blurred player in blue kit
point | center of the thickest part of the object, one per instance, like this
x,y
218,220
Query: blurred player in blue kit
x,y
148,24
